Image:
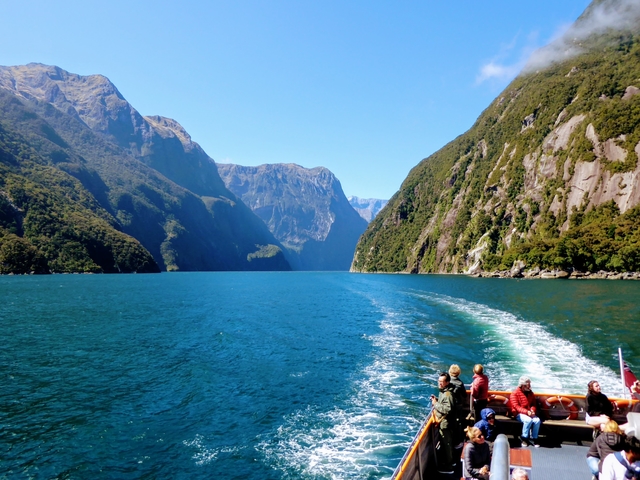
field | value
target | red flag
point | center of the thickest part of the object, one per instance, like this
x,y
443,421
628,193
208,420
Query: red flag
x,y
629,377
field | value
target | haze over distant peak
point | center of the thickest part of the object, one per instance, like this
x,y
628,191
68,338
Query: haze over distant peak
x,y
367,208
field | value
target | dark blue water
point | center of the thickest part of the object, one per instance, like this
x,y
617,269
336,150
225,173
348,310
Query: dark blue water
x,y
274,375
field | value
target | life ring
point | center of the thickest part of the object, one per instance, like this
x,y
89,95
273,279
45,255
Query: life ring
x,y
498,399
620,404
566,403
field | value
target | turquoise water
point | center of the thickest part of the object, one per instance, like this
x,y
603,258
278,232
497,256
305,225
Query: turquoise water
x,y
274,375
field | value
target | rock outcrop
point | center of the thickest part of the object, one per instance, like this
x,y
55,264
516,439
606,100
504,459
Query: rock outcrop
x,y
305,209
548,176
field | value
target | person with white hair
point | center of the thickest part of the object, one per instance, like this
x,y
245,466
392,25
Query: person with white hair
x,y
519,474
523,408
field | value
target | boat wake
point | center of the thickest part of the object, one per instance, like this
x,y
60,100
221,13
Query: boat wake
x,y
368,430
367,435
513,347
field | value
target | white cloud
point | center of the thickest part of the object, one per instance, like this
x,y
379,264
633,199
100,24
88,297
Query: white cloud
x,y
603,17
566,42
495,71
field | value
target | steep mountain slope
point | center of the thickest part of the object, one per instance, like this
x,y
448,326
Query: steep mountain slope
x,y
154,182
48,221
367,208
305,209
548,176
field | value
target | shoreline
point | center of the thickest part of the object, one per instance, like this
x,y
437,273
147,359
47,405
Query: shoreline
x,y
544,274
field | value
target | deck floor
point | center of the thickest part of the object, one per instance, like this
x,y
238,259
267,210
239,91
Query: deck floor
x,y
559,462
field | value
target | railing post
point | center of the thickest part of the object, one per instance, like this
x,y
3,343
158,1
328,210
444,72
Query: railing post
x,y
500,460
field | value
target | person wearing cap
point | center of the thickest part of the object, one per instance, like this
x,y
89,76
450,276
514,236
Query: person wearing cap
x,y
622,465
523,407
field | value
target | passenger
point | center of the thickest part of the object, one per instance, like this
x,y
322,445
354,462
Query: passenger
x,y
635,390
477,456
460,398
488,426
444,416
622,465
523,407
610,441
599,408
479,391
519,474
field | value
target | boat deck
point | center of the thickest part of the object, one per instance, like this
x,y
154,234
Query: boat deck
x,y
557,462
552,461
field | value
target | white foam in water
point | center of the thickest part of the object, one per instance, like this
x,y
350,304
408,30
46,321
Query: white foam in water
x,y
203,454
554,364
351,441
356,439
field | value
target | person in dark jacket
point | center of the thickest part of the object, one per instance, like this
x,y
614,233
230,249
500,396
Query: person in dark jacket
x,y
599,407
445,418
611,440
488,426
460,398
477,456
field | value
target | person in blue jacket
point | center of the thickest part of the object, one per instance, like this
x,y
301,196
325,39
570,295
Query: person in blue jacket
x,y
488,425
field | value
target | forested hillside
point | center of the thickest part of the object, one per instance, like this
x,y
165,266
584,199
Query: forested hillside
x,y
548,175
86,178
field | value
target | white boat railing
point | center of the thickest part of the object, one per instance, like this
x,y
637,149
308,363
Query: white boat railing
x,y
500,459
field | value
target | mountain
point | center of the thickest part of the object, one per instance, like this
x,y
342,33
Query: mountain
x,y
305,209
367,208
143,175
547,177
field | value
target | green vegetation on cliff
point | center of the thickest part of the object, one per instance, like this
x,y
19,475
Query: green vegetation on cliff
x,y
542,176
95,187
50,223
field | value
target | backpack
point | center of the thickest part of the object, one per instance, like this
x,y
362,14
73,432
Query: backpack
x,y
633,470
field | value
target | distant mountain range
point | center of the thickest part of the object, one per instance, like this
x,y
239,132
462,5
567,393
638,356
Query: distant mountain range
x,y
88,184
367,208
305,209
547,178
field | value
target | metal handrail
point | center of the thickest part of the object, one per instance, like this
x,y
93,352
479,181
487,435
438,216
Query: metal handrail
x,y
411,451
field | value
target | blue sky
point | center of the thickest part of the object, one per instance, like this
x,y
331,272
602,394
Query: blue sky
x,y
364,88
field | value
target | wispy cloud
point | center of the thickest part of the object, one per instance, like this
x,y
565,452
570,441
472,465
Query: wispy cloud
x,y
564,44
606,16
509,61
495,71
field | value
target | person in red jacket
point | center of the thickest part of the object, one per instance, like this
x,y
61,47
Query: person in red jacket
x,y
523,407
479,391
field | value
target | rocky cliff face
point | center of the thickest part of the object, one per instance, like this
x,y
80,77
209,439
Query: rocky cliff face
x,y
305,209
547,177
154,182
367,208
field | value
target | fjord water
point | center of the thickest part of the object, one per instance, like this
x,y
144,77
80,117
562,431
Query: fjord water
x,y
274,375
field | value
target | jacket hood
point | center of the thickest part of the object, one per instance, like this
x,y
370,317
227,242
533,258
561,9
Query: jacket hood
x,y
485,412
612,439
